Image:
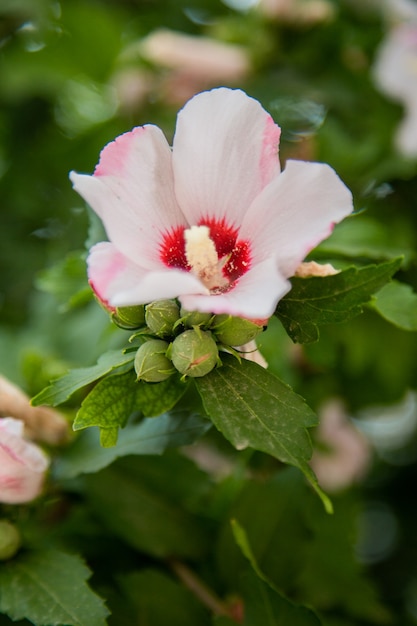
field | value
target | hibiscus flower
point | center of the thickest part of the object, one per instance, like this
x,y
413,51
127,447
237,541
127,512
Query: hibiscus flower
x,y
22,464
212,221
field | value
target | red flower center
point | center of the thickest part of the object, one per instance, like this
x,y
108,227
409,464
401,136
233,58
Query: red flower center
x,y
233,256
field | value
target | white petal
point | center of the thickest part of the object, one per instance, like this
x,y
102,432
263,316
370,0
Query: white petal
x,y
295,213
254,296
119,282
132,192
225,151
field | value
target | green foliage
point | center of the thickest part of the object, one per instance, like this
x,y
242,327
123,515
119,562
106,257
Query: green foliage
x,y
137,507
316,301
49,588
160,501
144,591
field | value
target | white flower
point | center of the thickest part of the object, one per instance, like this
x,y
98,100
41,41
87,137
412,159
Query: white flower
x,y
22,464
395,73
212,221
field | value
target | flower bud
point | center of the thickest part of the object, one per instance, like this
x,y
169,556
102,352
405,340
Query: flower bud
x,y
234,331
161,317
9,540
194,353
195,318
151,363
129,317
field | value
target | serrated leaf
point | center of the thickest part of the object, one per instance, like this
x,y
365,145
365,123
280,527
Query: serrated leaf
x,y
49,589
397,303
264,603
253,408
62,388
317,301
151,436
117,396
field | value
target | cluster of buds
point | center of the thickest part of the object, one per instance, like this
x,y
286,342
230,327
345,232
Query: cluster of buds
x,y
176,340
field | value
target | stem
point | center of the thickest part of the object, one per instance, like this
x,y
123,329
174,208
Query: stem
x,y
206,595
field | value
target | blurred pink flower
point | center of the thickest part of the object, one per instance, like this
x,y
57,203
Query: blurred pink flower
x,y
212,221
22,464
395,73
348,455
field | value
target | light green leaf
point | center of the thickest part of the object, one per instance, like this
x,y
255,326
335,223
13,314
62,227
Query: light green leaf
x,y
316,301
253,408
151,436
397,303
67,281
49,589
62,388
116,397
363,236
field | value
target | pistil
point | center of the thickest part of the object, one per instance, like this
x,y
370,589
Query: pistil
x,y
203,259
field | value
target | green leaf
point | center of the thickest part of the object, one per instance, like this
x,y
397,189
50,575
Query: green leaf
x,y
315,301
116,397
49,589
151,436
253,408
264,604
397,303
62,388
366,237
146,512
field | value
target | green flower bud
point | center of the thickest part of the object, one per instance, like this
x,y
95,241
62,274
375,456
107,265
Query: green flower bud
x,y
194,353
151,363
234,331
161,316
130,317
9,540
195,318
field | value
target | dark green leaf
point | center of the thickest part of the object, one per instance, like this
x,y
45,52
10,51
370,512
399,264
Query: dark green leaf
x,y
397,303
62,388
315,301
49,589
151,436
178,607
116,397
264,604
253,408
146,516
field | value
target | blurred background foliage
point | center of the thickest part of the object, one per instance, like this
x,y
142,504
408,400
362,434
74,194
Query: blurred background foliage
x,y
76,73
